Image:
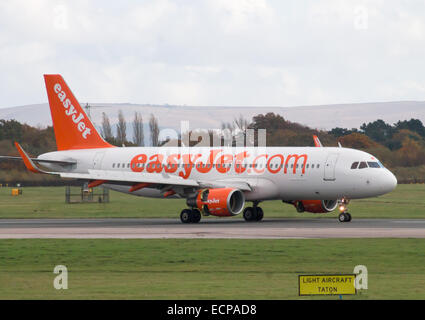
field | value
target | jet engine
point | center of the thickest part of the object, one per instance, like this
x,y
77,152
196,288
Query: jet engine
x,y
316,206
222,202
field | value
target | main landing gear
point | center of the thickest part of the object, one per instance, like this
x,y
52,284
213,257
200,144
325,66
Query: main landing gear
x,y
190,216
253,213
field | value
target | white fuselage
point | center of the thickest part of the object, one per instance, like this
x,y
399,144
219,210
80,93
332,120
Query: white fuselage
x,y
286,173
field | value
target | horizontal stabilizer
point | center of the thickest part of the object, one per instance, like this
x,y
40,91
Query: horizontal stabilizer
x,y
60,162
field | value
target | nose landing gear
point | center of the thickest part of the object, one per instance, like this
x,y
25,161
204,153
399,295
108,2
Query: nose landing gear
x,y
344,215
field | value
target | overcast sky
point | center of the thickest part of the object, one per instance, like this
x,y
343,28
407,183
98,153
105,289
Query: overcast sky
x,y
214,52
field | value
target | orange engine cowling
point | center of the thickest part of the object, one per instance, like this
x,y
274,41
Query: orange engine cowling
x,y
222,202
316,206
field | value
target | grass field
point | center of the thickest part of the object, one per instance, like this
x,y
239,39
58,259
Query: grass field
x,y
203,268
407,201
206,269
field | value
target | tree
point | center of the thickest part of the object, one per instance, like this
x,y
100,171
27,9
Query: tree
x,y
410,154
154,130
106,128
378,130
358,141
339,132
236,131
414,125
10,129
121,129
138,135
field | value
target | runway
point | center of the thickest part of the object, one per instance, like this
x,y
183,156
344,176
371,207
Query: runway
x,y
209,229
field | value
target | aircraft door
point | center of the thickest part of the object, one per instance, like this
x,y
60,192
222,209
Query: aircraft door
x,y
329,174
97,160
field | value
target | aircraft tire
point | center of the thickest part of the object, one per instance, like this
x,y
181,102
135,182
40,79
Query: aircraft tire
x,y
349,216
186,216
259,214
196,216
249,214
344,217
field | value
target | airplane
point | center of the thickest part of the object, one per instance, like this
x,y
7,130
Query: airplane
x,y
216,181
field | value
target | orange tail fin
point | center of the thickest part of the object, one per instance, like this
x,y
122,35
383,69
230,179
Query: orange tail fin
x,y
73,129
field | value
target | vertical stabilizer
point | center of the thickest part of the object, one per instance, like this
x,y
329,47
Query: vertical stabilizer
x,y
73,129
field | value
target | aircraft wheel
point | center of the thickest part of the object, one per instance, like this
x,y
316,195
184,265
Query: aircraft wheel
x,y
186,216
196,216
249,214
349,217
260,214
344,217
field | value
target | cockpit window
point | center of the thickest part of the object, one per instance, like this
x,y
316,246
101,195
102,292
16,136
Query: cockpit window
x,y
373,164
362,165
354,165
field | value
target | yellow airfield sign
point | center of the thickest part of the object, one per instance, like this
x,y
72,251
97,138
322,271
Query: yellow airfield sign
x,y
326,284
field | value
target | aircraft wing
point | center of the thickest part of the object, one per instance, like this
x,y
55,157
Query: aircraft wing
x,y
131,177
154,178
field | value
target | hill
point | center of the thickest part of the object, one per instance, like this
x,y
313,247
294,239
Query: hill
x,y
323,117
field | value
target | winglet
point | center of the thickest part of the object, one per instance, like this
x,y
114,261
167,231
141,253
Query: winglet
x,y
27,161
317,142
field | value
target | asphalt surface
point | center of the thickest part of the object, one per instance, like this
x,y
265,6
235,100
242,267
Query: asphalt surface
x,y
210,228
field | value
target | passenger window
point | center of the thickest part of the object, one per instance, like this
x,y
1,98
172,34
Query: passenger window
x,y
118,165
318,166
362,165
113,165
312,166
355,165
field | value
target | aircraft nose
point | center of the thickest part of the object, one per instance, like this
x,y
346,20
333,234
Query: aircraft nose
x,y
389,181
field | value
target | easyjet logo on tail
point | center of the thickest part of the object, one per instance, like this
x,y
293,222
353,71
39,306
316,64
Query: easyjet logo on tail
x,y
71,111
